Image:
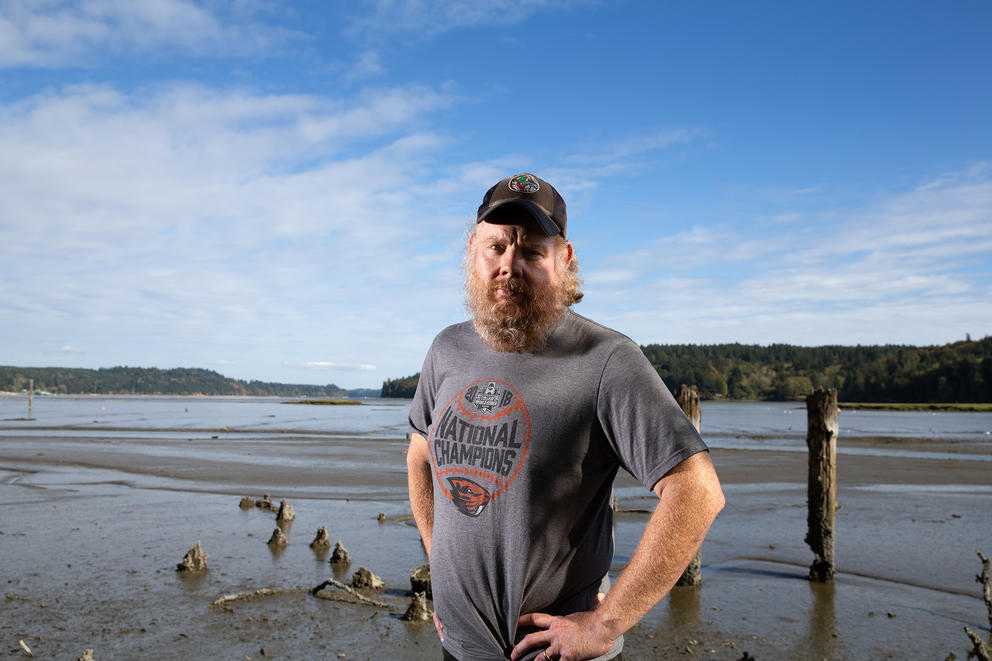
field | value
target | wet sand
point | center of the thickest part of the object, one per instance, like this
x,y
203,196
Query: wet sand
x,y
93,527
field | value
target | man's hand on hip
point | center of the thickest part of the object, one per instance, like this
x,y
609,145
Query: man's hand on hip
x,y
581,635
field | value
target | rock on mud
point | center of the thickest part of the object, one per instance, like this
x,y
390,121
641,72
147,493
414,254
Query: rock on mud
x,y
418,610
265,503
194,560
87,656
363,578
340,556
286,513
321,542
278,539
420,580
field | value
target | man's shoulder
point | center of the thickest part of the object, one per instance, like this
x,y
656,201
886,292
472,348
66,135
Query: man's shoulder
x,y
587,330
455,334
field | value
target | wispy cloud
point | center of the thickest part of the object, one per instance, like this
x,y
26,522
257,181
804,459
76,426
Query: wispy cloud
x,y
911,265
332,366
426,19
56,33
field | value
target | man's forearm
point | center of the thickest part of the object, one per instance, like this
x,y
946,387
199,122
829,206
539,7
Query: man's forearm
x,y
421,486
688,501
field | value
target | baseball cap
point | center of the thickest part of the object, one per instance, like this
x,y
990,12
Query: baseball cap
x,y
528,192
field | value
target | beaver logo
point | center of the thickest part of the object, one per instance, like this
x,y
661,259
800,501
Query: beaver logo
x,y
468,496
479,443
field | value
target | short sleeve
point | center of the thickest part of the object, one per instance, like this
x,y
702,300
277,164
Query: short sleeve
x,y
422,406
641,419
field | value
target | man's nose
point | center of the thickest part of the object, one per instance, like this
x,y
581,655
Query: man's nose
x,y
509,263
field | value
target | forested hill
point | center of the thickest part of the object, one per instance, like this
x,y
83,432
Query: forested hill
x,y
150,381
959,372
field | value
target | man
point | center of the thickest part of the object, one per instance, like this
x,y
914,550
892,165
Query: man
x,y
521,418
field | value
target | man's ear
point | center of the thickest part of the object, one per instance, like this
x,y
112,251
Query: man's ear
x,y
568,254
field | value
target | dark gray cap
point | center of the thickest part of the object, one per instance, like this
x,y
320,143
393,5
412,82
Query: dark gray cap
x,y
525,191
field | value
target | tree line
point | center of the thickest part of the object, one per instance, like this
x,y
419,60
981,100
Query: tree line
x,y
957,372
150,381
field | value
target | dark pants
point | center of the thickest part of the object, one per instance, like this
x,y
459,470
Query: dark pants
x,y
449,657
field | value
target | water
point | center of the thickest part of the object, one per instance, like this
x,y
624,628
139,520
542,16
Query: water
x,y
116,489
728,425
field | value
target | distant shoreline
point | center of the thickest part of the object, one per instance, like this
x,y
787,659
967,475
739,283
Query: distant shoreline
x,y
915,406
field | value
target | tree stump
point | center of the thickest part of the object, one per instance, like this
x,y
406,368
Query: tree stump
x,y
822,414
688,399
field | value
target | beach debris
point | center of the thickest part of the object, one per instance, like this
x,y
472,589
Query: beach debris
x,y
265,503
420,580
363,578
249,596
747,657
360,597
321,542
417,611
194,560
340,555
24,646
87,655
286,513
246,503
822,427
278,539
980,650
986,583
382,517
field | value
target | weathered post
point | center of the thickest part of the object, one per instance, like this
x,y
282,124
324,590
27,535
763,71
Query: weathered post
x,y
30,398
688,399
822,415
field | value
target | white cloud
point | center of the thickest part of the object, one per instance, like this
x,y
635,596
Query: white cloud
x,y
190,221
912,267
42,33
330,365
425,19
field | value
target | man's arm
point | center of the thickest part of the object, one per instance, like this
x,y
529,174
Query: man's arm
x,y
689,498
421,485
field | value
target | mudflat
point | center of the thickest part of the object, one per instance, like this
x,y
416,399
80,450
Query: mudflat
x,y
94,525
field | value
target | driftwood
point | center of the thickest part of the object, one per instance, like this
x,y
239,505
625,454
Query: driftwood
x,y
338,584
980,650
986,583
248,596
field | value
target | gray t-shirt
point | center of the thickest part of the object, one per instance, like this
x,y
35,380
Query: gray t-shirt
x,y
524,448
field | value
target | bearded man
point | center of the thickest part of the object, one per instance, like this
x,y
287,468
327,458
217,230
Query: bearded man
x,y
521,418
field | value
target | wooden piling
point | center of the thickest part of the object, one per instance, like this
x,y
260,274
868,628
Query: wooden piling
x,y
688,399
30,398
822,415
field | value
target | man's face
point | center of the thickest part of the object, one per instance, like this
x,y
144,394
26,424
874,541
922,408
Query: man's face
x,y
514,254
513,283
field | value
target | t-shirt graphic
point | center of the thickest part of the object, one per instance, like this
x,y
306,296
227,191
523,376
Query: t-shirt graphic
x,y
479,443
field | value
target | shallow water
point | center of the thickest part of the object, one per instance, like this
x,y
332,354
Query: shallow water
x,y
101,497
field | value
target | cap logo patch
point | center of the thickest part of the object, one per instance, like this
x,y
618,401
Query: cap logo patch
x,y
524,183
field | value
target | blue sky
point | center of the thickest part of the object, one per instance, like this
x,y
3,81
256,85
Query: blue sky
x,y
282,190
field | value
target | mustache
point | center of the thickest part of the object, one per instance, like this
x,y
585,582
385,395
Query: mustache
x,y
512,284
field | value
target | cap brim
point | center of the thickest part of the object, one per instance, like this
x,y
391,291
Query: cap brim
x,y
498,213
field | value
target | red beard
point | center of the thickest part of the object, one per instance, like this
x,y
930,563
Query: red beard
x,y
520,322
